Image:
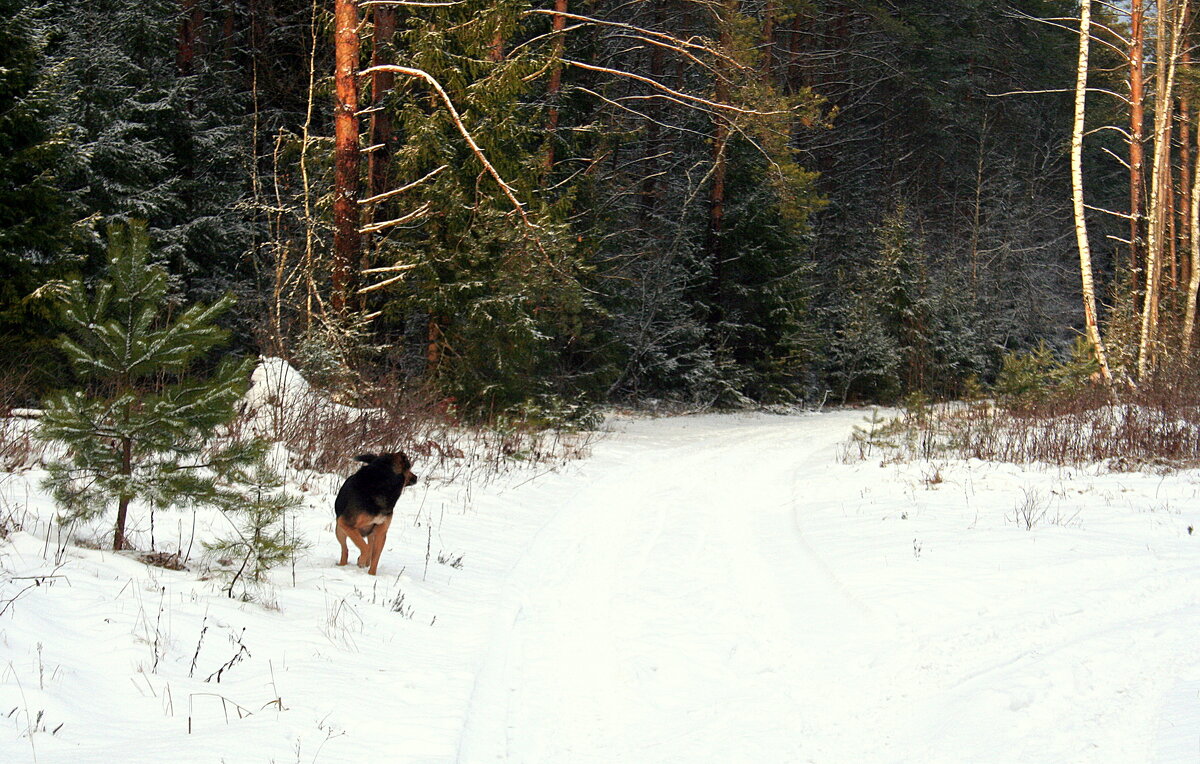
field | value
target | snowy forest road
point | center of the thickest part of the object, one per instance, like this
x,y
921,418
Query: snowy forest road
x,y
673,611
725,589
717,589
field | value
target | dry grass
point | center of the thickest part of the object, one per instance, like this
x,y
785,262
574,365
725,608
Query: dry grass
x,y
19,448
323,436
1156,425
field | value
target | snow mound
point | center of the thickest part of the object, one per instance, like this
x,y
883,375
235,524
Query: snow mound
x,y
275,382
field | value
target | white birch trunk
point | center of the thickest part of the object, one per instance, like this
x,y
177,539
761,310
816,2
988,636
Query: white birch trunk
x,y
1091,321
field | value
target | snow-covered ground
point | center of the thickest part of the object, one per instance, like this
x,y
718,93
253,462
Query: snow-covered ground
x,y
700,589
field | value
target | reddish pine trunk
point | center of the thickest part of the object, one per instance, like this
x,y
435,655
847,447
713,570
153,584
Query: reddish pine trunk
x,y
496,54
650,192
433,343
227,31
1137,115
716,193
346,238
558,24
190,21
768,40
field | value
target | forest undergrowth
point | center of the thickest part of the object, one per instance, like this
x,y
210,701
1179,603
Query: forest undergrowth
x,y
1044,412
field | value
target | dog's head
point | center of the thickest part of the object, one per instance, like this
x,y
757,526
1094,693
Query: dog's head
x,y
402,465
399,463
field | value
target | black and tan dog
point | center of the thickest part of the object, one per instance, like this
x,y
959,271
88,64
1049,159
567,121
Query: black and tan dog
x,y
364,505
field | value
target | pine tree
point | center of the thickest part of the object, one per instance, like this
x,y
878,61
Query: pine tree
x,y
142,430
259,540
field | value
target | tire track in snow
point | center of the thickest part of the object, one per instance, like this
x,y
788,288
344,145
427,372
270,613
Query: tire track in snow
x,y
676,622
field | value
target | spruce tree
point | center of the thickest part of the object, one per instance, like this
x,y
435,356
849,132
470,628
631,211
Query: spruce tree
x,y
494,295
150,142
34,225
142,429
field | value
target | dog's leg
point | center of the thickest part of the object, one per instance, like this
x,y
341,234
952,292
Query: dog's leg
x,y
364,551
340,529
347,531
378,536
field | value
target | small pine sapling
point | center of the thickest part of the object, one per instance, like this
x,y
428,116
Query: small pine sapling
x,y
140,430
257,508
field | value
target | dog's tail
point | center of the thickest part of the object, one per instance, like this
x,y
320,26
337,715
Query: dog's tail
x,y
366,458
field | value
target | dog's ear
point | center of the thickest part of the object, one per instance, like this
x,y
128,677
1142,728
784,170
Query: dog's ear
x,y
366,458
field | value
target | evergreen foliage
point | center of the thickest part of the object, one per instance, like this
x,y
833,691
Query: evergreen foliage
x,y
142,429
666,248
1037,374
259,539
496,290
34,225
148,142
903,330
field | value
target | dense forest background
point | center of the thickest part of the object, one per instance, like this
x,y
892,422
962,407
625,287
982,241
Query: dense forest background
x,y
539,206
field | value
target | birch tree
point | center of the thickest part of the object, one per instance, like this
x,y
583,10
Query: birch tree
x,y
1090,318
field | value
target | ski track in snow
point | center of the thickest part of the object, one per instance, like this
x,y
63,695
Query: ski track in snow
x,y
701,589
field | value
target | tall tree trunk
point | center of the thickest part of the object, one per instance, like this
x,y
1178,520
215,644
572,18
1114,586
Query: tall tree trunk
x,y
347,242
191,19
649,196
228,30
557,24
716,192
1170,259
379,152
1169,27
1090,318
1137,120
382,83
768,41
1189,321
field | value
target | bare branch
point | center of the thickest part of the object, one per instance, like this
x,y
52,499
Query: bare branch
x,y
1120,159
382,284
1103,91
658,85
462,129
642,115
418,212
642,31
1061,23
414,3
391,268
402,189
1114,213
